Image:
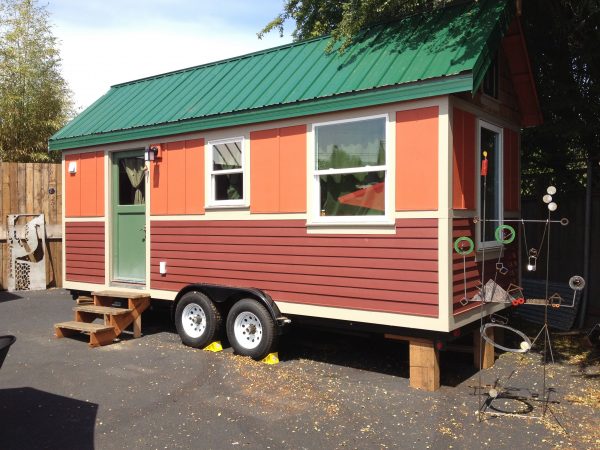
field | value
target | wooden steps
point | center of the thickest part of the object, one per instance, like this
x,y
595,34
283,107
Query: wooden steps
x,y
107,305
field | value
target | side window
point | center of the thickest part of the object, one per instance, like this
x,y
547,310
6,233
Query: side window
x,y
227,172
350,170
490,81
490,195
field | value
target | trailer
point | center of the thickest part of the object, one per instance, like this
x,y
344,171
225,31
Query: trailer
x,y
293,183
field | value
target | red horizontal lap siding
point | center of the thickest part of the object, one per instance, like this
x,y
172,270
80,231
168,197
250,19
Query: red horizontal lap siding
x,y
466,227
389,273
85,252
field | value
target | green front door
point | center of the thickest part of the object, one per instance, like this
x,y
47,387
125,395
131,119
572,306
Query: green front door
x,y
129,217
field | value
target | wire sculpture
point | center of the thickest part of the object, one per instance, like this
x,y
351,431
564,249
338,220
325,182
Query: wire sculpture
x,y
491,292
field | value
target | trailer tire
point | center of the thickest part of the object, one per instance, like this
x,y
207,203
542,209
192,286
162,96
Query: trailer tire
x,y
251,329
197,319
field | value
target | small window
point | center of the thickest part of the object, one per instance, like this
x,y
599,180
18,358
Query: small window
x,y
227,172
490,81
490,205
350,169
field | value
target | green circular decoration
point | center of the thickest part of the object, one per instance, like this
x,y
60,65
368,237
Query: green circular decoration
x,y
461,251
510,238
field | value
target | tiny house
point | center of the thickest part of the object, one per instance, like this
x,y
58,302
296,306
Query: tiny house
x,y
293,182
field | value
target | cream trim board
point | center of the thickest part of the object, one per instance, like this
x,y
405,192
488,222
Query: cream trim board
x,y
373,317
79,286
351,229
475,314
63,245
209,172
480,124
85,219
482,114
445,198
230,214
313,190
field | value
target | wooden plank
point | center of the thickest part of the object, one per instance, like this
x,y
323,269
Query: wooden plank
x,y
482,350
21,187
424,365
83,326
37,188
101,310
121,294
29,188
59,219
14,198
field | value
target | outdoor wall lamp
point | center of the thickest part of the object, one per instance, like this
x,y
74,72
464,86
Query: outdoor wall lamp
x,y
150,153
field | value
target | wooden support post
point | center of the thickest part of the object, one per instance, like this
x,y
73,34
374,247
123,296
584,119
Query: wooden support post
x,y
424,365
484,354
137,327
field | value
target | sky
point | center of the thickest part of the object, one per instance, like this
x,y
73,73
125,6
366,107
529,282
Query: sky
x,y
108,42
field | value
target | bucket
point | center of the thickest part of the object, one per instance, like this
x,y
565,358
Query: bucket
x,y
5,343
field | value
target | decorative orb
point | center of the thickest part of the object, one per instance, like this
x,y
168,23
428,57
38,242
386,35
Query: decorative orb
x,y
530,267
547,198
493,393
525,345
551,190
552,206
485,154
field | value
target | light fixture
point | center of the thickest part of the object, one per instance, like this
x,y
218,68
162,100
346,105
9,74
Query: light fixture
x,y
150,153
72,167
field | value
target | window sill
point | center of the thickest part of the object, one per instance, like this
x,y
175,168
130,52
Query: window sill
x,y
215,206
383,226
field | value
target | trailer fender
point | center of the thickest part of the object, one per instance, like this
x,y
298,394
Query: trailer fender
x,y
228,295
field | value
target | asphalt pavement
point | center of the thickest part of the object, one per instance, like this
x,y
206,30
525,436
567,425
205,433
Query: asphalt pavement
x,y
329,391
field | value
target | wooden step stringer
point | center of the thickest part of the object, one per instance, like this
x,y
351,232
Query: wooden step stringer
x,y
116,319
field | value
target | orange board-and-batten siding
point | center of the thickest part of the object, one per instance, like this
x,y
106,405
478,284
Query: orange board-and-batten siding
x,y
84,189
387,273
278,170
417,143
463,143
466,227
465,158
85,252
177,179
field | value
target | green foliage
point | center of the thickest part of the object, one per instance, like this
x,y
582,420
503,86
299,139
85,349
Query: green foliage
x,y
563,38
35,100
342,19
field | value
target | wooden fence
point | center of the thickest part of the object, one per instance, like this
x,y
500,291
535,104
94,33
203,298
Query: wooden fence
x,y
33,188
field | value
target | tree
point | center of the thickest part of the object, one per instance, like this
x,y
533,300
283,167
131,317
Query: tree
x,y
343,19
35,100
563,38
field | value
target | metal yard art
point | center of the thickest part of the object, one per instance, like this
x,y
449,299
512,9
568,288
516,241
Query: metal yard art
x,y
27,252
505,233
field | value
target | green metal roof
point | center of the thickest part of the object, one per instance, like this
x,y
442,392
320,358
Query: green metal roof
x,y
422,55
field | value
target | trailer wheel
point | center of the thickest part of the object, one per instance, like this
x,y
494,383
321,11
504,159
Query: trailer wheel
x,y
251,329
197,320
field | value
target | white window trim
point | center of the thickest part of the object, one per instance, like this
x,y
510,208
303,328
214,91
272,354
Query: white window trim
x,y
314,216
491,241
210,173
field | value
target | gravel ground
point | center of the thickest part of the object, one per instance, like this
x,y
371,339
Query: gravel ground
x,y
329,391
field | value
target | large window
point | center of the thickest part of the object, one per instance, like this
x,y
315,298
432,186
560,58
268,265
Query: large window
x,y
227,172
350,169
490,207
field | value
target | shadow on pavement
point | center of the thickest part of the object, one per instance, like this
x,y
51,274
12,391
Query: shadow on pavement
x,y
30,418
8,296
366,352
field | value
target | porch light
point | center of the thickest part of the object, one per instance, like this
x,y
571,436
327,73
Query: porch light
x,y
150,153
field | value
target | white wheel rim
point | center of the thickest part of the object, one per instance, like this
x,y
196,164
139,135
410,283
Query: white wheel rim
x,y
248,330
193,320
